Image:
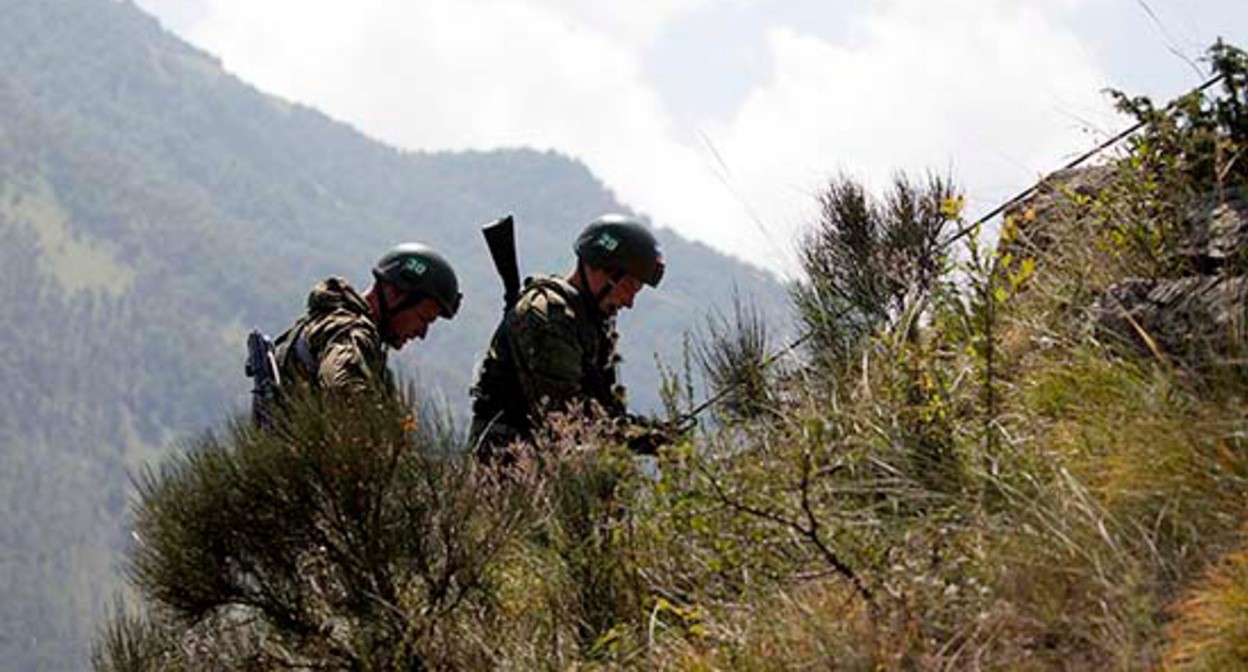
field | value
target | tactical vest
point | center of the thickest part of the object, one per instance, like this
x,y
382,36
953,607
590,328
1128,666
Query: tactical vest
x,y
499,397
299,350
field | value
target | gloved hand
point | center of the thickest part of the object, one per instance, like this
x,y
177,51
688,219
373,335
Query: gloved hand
x,y
645,436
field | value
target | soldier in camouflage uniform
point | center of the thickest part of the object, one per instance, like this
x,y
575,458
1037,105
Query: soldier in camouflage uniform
x,y
340,344
555,348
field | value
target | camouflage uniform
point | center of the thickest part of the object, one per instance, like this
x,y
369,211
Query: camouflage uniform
x,y
552,350
336,345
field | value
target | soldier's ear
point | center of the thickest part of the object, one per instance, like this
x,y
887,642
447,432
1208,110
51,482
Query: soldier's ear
x,y
597,277
389,292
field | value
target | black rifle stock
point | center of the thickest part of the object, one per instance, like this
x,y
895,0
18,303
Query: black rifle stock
x,y
500,236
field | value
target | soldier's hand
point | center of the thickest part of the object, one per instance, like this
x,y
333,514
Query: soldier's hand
x,y
647,443
645,436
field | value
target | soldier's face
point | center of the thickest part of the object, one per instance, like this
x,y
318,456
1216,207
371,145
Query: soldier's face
x,y
621,295
413,321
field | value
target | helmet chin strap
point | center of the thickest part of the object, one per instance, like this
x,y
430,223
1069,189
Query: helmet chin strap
x,y
383,316
385,311
612,281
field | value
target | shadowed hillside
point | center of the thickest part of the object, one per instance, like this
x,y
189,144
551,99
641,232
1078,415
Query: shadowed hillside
x,y
153,208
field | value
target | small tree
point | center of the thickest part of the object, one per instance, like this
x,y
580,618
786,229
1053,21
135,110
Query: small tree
x,y
866,261
1197,139
1190,157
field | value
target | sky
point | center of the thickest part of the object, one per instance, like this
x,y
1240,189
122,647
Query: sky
x,y
724,119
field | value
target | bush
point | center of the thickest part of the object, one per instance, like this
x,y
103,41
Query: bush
x,y
350,532
865,262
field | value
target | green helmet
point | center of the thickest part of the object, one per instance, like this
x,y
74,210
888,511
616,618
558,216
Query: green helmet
x,y
621,244
418,271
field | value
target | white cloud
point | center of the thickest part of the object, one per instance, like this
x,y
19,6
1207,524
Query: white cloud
x,y
636,22
455,73
450,74
959,84
978,88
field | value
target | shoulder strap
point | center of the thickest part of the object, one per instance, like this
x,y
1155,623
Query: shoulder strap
x,y
555,284
295,340
304,351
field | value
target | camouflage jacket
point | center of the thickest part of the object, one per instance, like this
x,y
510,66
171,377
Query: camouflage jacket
x,y
552,350
336,345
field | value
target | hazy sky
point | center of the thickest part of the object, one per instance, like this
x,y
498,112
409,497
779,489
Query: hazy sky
x,y
722,119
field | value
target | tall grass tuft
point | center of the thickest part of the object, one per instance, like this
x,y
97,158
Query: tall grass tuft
x,y
1210,631
732,353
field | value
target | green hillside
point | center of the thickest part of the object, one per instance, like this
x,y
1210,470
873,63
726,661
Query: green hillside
x,y
153,208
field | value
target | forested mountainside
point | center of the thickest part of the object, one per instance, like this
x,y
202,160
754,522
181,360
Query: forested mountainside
x,y
152,209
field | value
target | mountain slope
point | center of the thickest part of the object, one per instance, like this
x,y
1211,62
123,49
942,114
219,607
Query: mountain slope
x,y
153,208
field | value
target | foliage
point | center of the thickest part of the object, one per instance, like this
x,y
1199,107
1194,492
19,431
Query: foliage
x,y
866,262
347,531
732,353
130,642
1189,153
1199,139
985,483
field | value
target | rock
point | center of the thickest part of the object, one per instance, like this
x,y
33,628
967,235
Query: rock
x,y
1216,235
1199,319
1196,319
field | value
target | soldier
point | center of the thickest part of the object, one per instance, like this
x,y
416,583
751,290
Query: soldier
x,y
340,344
555,348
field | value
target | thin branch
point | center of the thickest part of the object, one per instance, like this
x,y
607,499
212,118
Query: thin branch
x,y
810,533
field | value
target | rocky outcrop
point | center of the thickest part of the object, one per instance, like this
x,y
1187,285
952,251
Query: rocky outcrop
x,y
1197,319
1216,233
1195,316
